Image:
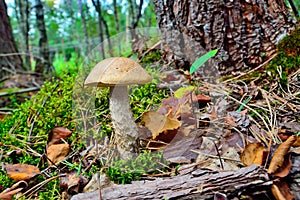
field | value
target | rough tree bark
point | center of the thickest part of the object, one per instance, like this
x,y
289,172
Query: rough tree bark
x,y
244,31
42,66
193,184
9,59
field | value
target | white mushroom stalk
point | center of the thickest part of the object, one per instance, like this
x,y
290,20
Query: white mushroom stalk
x,y
126,131
117,73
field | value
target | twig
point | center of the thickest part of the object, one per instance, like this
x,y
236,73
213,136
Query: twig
x,y
252,70
41,184
20,54
2,94
4,78
150,49
212,156
219,155
5,113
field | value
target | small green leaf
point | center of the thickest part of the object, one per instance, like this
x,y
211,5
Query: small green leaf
x,y
181,91
200,61
244,102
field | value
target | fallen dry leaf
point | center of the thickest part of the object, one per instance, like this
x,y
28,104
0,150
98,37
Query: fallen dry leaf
x,y
239,119
279,156
92,185
56,134
297,142
57,152
284,170
10,194
158,123
281,191
183,91
171,107
203,99
291,127
254,153
73,183
21,172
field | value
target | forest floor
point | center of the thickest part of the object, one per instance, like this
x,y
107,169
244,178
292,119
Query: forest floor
x,y
234,138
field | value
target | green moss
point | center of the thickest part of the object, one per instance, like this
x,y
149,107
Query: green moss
x,y
50,191
142,99
123,172
5,181
32,121
153,56
287,60
146,97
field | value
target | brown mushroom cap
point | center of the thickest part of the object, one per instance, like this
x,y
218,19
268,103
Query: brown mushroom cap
x,y
117,71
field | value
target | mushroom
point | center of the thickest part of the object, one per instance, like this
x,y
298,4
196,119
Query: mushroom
x,y
117,73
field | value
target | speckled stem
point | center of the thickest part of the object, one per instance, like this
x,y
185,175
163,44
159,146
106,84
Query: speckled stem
x,y
126,131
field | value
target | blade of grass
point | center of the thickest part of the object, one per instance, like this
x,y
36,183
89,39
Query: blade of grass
x,y
200,61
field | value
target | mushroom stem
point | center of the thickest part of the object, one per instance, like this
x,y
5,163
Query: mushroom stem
x,y
126,131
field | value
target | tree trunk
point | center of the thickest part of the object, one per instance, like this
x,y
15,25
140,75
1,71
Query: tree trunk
x,y
22,14
98,10
245,32
135,13
44,65
294,8
83,22
107,35
117,25
102,22
8,63
69,4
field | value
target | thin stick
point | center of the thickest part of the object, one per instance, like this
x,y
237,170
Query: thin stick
x,y
41,184
252,70
2,94
219,155
212,156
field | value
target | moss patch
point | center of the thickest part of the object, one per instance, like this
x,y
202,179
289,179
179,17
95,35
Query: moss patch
x,y
287,60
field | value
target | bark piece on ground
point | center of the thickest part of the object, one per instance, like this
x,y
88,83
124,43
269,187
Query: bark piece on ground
x,y
188,186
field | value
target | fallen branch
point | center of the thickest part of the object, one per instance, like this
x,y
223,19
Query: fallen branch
x,y
252,70
20,54
198,184
2,94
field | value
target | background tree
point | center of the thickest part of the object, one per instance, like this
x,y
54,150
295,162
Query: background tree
x,y
42,65
74,28
10,60
103,27
22,14
245,32
134,13
81,6
116,16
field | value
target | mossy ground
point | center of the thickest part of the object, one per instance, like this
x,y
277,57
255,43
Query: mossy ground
x,y
287,59
28,127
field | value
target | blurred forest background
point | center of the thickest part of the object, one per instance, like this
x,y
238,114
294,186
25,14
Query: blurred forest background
x,y
56,35
67,30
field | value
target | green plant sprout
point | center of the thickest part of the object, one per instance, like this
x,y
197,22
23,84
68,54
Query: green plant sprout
x,y
244,102
203,59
